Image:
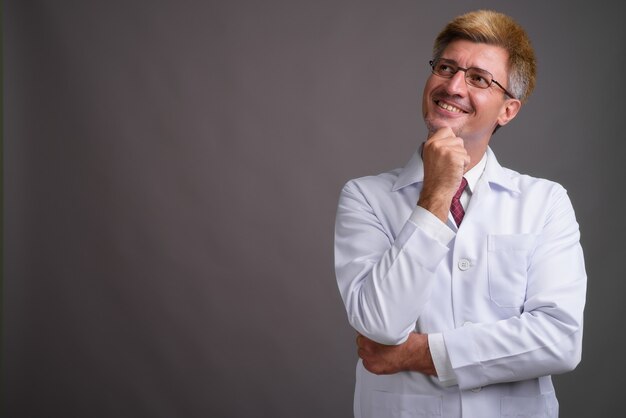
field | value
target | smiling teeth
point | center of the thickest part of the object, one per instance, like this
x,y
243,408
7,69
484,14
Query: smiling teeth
x,y
449,107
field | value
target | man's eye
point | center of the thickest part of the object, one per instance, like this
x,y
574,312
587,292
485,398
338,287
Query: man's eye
x,y
479,80
445,68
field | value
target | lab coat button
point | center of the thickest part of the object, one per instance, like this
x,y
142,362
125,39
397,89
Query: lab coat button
x,y
464,264
466,323
476,390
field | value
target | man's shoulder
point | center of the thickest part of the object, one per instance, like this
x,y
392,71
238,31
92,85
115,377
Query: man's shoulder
x,y
528,183
374,183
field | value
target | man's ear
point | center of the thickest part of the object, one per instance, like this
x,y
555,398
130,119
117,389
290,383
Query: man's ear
x,y
509,111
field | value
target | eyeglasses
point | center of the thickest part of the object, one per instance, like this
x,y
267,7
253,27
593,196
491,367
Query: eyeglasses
x,y
476,77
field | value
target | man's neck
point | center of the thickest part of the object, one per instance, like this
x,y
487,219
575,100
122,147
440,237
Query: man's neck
x,y
476,153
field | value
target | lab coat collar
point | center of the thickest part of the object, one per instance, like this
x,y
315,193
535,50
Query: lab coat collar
x,y
495,174
413,172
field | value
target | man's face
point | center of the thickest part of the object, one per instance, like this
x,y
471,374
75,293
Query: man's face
x,y
471,112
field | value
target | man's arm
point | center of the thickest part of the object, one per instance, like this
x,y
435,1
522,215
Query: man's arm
x,y
385,283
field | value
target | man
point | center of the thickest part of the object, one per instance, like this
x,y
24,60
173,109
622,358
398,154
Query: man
x,y
464,280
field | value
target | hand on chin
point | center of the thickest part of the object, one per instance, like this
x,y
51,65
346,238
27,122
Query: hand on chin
x,y
433,125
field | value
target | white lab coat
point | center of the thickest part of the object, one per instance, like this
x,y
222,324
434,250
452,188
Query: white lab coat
x,y
507,292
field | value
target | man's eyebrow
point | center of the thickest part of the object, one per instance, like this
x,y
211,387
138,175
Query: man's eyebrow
x,y
449,60
456,63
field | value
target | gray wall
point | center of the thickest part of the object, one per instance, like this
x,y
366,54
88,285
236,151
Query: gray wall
x,y
172,170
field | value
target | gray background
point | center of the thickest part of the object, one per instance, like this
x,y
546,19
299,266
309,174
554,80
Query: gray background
x,y
172,170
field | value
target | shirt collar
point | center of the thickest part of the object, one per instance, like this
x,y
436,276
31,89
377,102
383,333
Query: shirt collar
x,y
488,168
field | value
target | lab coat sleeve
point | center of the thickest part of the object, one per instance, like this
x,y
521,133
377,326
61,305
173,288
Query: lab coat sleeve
x,y
547,337
384,281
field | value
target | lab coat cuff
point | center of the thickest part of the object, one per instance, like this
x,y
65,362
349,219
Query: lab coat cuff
x,y
432,225
465,358
443,366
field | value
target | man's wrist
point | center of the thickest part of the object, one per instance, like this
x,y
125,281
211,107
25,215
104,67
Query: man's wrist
x,y
419,358
435,205
431,225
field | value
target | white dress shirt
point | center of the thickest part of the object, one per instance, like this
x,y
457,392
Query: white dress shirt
x,y
501,296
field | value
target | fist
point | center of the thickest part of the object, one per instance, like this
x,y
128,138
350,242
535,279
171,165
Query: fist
x,y
445,159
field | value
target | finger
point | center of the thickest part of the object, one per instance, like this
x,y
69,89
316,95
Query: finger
x,y
445,132
466,162
445,145
361,353
451,150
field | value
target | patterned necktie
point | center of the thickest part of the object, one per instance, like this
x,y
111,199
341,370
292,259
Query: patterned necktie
x,y
456,208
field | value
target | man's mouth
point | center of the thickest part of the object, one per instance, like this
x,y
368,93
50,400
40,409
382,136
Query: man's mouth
x,y
448,107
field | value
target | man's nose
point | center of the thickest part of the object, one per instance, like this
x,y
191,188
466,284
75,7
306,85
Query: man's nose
x,y
456,84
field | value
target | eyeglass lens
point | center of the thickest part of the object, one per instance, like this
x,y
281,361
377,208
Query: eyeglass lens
x,y
474,76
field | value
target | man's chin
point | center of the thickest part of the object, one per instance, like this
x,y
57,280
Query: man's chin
x,y
434,125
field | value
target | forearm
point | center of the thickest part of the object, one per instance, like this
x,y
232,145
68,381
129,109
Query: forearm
x,y
508,351
420,358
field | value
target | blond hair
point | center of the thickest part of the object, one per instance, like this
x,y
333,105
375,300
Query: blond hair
x,y
493,28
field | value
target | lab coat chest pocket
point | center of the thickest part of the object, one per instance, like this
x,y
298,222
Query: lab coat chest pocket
x,y
507,260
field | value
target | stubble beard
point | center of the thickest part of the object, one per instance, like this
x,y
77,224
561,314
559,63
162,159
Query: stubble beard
x,y
435,126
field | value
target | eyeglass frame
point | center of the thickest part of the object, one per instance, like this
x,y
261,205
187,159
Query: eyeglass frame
x,y
465,70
